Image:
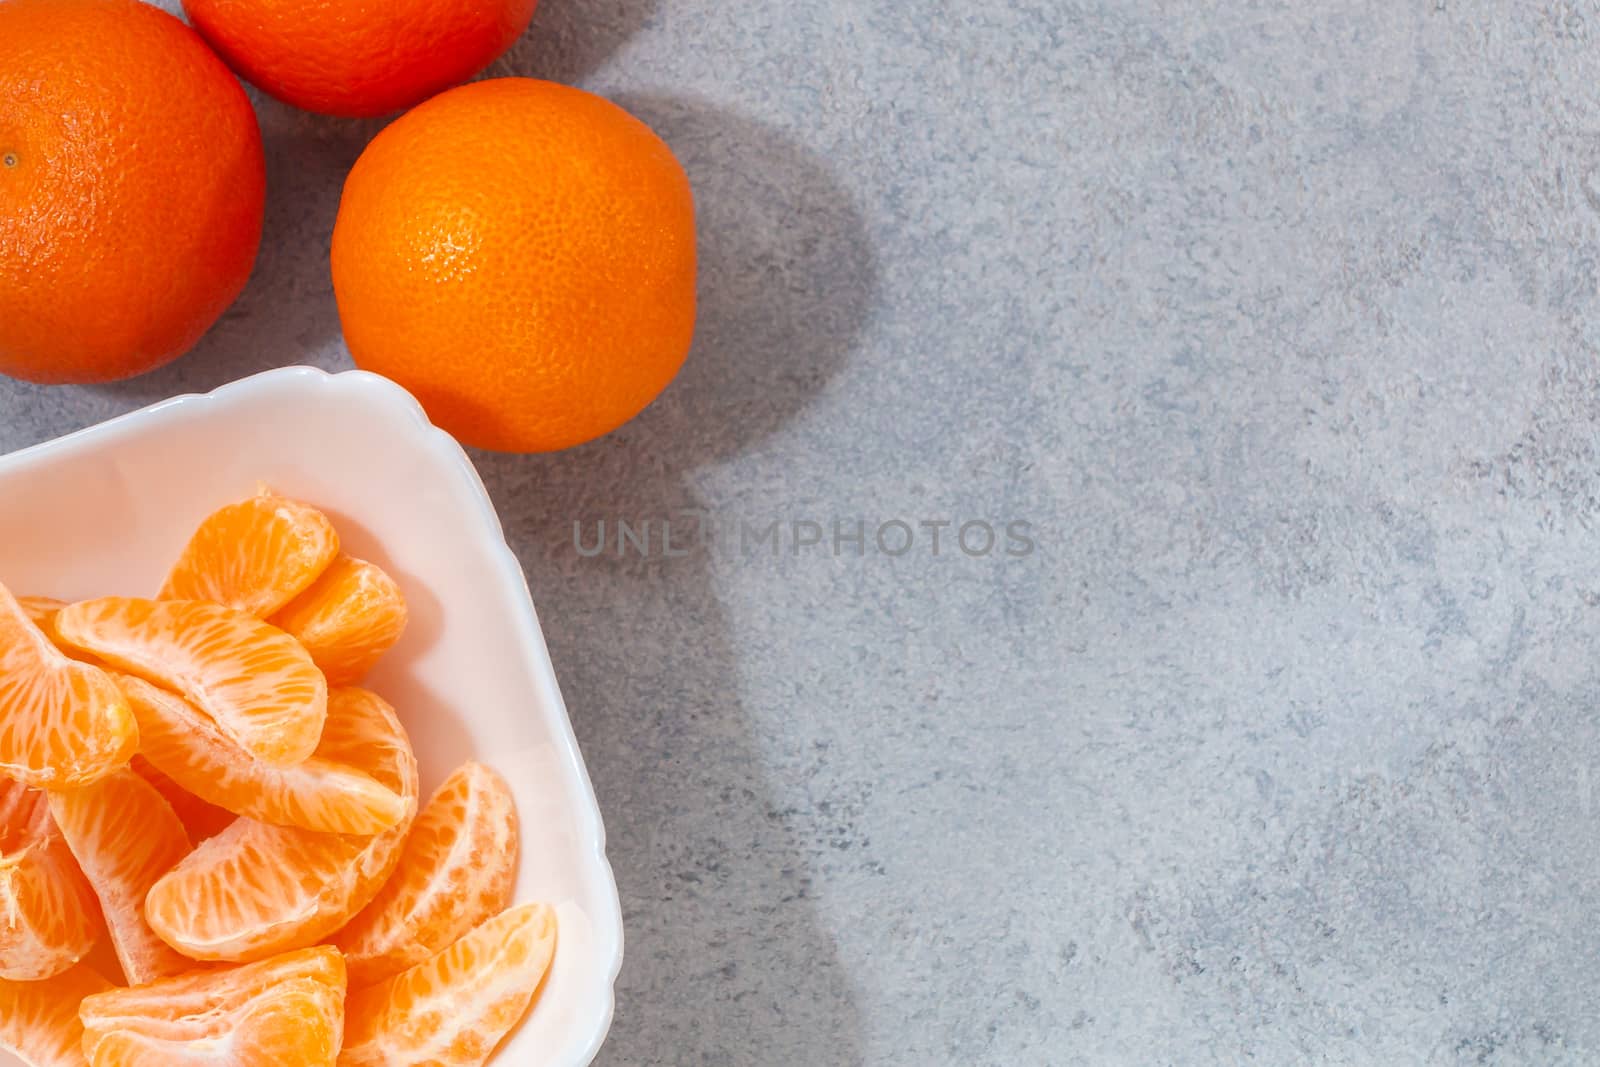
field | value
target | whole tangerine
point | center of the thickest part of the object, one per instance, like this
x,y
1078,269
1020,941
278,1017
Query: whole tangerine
x,y
521,256
359,58
132,185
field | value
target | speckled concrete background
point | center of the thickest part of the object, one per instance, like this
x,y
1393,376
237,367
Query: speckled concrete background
x,y
1280,327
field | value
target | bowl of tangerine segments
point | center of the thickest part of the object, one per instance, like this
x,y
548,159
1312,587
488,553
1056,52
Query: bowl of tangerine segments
x,y
215,842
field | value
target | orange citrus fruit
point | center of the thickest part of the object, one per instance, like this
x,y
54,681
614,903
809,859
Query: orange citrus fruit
x,y
347,620
132,184
318,794
521,256
65,723
256,889
48,915
201,819
255,681
39,1020
456,871
40,610
359,57
255,555
284,1011
456,1007
125,836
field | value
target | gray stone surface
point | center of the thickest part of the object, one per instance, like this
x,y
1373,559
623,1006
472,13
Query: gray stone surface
x,y
1280,327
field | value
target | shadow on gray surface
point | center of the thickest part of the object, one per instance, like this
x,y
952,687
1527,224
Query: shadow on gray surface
x,y
571,39
728,960
287,313
787,280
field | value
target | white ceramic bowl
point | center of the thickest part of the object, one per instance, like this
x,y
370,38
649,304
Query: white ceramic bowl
x,y
105,511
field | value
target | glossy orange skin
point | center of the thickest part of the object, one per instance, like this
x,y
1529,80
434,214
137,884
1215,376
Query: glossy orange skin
x,y
521,256
132,184
359,58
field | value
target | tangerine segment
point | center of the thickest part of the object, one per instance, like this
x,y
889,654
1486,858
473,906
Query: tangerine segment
x,y
42,612
288,1010
456,1007
125,836
254,556
65,723
40,609
352,615
254,680
39,1020
48,915
456,871
202,820
315,795
256,889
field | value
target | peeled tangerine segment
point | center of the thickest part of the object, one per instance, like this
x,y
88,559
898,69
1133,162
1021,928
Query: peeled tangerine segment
x,y
201,819
39,1020
347,620
254,681
125,836
255,889
284,1011
457,1007
62,723
318,794
457,870
255,556
48,915
40,609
